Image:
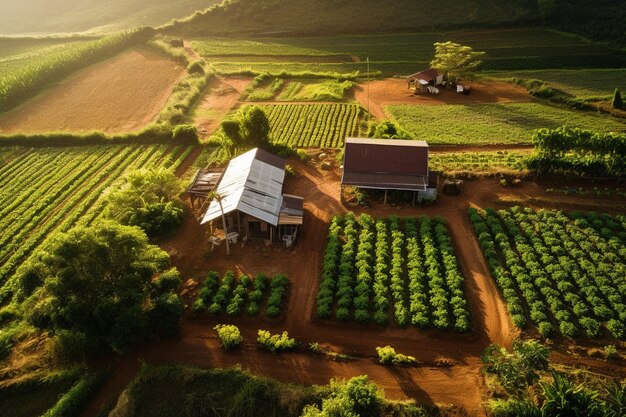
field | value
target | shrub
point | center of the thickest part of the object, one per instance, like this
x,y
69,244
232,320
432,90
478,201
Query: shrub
x,y
196,67
388,356
610,352
230,336
185,134
276,342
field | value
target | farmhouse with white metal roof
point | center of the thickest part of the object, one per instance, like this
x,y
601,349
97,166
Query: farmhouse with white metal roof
x,y
252,201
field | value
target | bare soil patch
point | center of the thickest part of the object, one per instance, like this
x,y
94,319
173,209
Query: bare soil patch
x,y
122,94
222,96
394,91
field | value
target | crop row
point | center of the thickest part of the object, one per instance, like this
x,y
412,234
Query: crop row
x,y
70,194
404,269
313,125
232,296
557,271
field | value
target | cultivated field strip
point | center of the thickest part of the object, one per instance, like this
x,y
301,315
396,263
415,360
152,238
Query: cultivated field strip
x,y
313,125
70,193
404,269
564,273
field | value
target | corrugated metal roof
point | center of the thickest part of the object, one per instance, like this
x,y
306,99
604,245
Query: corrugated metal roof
x,y
252,184
386,156
204,181
426,75
385,181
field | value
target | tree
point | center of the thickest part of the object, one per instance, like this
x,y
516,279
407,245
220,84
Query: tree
x,y
213,195
98,282
249,129
358,397
455,61
185,134
617,102
148,199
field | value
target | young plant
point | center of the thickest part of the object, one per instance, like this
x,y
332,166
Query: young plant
x,y
230,336
276,342
388,356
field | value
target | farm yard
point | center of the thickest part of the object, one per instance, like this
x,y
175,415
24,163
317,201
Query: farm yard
x,y
522,252
120,95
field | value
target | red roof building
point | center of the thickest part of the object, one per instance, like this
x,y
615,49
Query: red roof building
x,y
386,164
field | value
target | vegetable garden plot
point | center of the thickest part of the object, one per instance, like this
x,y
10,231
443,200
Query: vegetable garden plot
x,y
563,273
234,296
313,126
50,190
399,269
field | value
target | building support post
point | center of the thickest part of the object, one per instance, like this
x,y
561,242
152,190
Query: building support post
x,y
385,201
414,195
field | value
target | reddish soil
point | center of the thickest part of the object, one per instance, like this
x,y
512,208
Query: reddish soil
x,y
222,96
394,91
122,94
460,384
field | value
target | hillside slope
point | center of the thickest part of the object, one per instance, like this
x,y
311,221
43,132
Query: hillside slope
x,y
62,16
352,16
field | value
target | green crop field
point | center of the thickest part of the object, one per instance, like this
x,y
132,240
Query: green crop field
x,y
47,191
493,123
477,162
561,272
583,83
19,53
406,53
377,269
313,125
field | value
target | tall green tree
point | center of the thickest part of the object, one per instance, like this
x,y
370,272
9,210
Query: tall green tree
x,y
456,61
98,282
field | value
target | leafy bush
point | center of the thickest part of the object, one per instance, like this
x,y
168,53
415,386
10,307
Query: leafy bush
x,y
229,335
278,288
388,356
148,199
276,342
183,133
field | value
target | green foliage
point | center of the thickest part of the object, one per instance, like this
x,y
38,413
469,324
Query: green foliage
x,y
76,399
196,67
455,61
97,282
386,130
249,129
278,288
610,352
357,397
276,342
148,199
516,370
570,150
617,101
230,336
388,356
185,134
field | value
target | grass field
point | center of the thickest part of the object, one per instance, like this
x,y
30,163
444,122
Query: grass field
x,y
313,125
492,123
122,94
47,191
406,53
581,83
